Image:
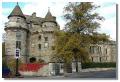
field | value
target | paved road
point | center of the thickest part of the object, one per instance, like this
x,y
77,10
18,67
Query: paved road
x,y
107,74
95,74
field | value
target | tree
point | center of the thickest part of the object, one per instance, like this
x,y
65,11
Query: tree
x,y
80,18
69,47
3,54
80,31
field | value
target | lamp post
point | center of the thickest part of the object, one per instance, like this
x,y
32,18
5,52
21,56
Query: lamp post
x,y
17,55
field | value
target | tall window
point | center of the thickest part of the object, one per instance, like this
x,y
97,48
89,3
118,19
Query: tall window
x,y
92,59
106,51
99,49
46,45
18,44
39,46
100,59
18,35
39,37
92,49
46,38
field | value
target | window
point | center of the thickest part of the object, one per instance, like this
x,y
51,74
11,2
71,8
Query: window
x,y
92,59
46,38
106,51
18,20
92,49
100,59
18,35
39,46
99,49
46,45
39,37
18,44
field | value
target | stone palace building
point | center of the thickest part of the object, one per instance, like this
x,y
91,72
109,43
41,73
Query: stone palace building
x,y
34,37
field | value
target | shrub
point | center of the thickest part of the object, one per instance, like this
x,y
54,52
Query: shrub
x,y
98,65
12,66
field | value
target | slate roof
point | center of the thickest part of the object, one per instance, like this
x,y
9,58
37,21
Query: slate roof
x,y
49,17
35,20
16,12
29,18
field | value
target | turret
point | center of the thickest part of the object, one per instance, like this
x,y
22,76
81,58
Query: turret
x,y
50,22
16,19
16,34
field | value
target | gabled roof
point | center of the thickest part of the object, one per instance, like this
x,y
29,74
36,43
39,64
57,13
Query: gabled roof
x,y
16,12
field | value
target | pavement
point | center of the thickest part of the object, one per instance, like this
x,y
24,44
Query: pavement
x,y
104,74
108,74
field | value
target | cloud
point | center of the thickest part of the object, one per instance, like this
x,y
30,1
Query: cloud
x,y
109,27
42,8
108,11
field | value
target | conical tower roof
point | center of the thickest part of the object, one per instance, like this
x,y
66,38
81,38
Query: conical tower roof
x,y
17,12
48,15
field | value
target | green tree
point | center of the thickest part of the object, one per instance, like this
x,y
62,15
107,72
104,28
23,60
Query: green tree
x,y
80,31
81,19
69,47
3,54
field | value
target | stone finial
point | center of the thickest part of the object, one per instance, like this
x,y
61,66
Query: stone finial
x,y
17,3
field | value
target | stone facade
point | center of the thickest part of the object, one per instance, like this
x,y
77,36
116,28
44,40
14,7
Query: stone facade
x,y
34,37
32,34
103,52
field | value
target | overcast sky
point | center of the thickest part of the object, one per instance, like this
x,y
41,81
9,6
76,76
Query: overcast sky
x,y
107,10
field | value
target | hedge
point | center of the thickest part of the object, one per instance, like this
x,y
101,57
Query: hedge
x,y
98,65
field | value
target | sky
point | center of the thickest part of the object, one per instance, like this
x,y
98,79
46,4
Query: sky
x,y
107,10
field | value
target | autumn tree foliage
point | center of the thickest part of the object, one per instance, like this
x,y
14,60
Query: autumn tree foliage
x,y
72,43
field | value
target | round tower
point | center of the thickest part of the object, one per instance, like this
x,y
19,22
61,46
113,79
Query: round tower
x,y
16,35
49,25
